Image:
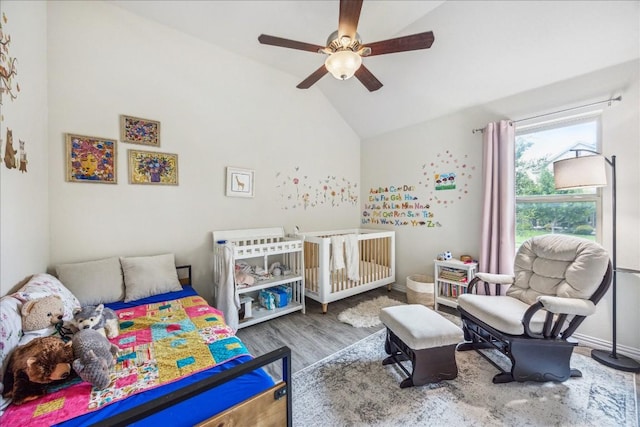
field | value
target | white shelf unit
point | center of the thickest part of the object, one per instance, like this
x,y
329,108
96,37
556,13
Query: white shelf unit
x,y
261,247
451,279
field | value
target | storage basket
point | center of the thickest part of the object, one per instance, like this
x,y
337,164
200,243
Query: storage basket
x,y
420,290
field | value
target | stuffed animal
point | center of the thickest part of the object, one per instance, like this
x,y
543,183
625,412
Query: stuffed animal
x,y
95,356
32,366
42,312
100,318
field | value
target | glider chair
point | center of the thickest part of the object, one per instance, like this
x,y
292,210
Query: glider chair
x,y
557,282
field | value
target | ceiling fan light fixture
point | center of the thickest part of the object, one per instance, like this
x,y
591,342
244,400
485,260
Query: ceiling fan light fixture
x,y
343,64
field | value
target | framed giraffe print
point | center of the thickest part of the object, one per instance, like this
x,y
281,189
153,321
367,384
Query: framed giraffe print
x,y
239,182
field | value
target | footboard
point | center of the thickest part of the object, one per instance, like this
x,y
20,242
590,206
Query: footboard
x,y
376,265
273,405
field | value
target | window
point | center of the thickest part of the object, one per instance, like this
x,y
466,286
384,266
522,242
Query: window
x,y
540,209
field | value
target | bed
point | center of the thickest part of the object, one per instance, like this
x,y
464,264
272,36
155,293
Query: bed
x,y
377,266
145,390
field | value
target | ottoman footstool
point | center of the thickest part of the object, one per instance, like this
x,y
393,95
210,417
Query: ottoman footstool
x,y
422,336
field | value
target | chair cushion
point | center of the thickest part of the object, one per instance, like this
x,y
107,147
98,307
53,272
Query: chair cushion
x,y
558,265
501,312
419,327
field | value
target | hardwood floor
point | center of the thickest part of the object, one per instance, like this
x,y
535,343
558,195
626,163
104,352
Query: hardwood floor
x,y
314,336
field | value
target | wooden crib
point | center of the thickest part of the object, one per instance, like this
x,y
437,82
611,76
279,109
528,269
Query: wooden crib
x,y
377,265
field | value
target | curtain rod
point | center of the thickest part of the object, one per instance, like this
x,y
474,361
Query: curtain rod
x,y
606,101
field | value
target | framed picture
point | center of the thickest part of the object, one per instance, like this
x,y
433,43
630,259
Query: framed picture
x,y
91,159
139,131
239,182
151,167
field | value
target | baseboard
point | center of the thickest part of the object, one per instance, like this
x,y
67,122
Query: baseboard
x,y
604,345
397,287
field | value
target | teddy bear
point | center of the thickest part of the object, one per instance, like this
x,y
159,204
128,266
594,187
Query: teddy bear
x,y
100,318
42,313
32,366
46,312
94,357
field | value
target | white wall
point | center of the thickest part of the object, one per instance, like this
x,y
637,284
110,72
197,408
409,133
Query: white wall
x,y
24,206
396,157
405,157
216,109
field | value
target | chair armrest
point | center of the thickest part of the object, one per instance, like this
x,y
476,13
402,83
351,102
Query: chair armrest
x,y
500,279
558,310
570,306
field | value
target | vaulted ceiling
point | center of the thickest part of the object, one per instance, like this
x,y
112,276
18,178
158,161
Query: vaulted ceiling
x,y
483,50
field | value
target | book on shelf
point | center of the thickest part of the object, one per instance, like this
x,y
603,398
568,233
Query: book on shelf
x,y
454,278
451,291
455,271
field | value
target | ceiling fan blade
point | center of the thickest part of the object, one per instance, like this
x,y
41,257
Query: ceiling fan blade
x,y
314,77
402,44
349,16
367,79
291,44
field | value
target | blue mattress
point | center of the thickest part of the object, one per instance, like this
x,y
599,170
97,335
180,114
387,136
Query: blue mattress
x,y
191,411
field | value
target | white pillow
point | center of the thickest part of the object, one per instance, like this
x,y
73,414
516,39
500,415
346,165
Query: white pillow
x,y
149,275
10,333
93,282
10,328
42,285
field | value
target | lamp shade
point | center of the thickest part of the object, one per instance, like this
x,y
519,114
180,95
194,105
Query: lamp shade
x,y
343,64
580,172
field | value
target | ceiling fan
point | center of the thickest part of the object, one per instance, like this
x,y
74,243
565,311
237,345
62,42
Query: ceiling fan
x,y
345,48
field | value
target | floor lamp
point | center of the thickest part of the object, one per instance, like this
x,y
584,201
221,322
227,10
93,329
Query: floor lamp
x,y
590,171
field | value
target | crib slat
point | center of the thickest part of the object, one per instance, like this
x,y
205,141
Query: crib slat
x,y
376,261
365,254
373,275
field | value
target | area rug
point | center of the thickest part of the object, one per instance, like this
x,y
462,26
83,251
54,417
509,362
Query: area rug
x,y
352,388
366,313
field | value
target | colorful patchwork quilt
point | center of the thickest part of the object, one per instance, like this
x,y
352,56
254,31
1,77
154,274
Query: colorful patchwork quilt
x,y
159,344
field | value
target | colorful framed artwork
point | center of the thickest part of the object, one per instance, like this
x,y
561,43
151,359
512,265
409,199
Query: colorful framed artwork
x,y
139,131
239,182
445,181
91,159
151,167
